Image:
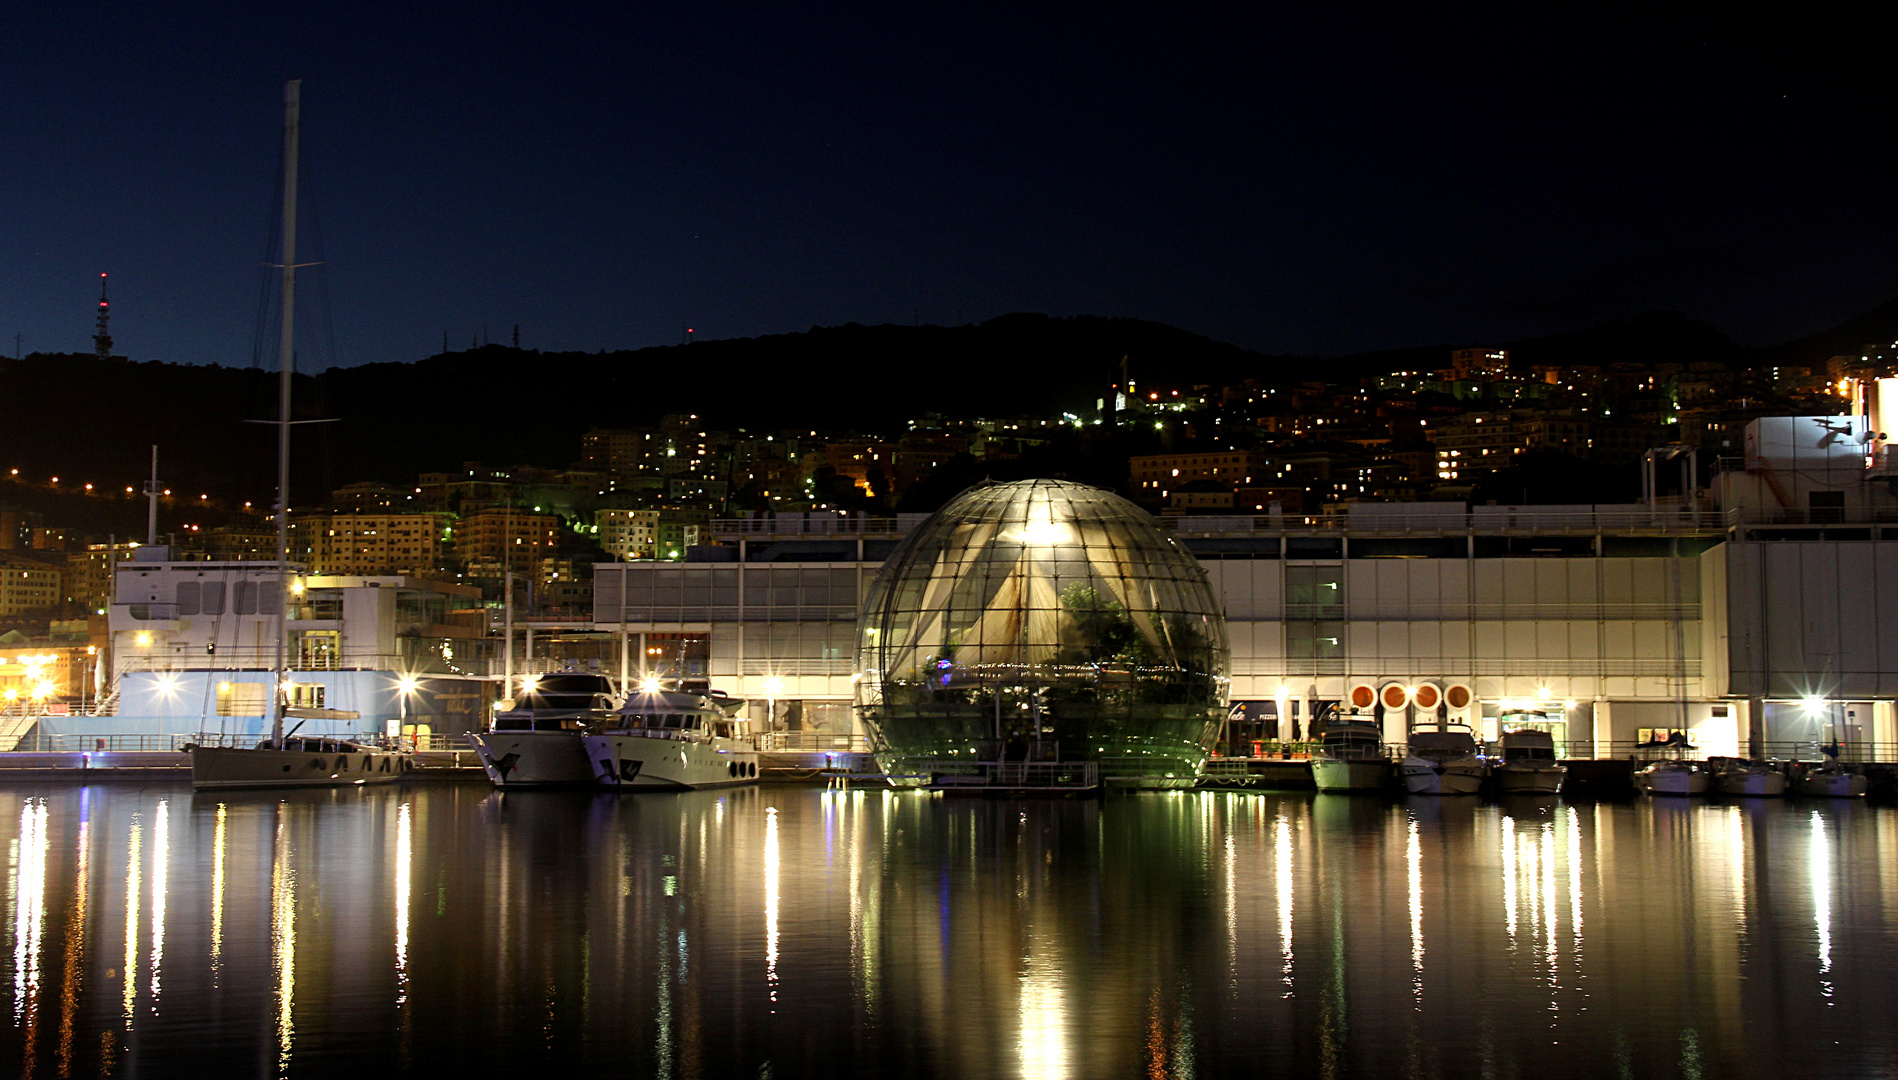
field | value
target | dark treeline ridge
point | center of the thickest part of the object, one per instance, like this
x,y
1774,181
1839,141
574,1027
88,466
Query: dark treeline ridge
x,y
95,421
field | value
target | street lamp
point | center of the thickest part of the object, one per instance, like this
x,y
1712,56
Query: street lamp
x,y
404,686
772,686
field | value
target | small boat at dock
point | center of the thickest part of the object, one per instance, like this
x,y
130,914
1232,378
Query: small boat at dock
x,y
1529,766
1751,779
1351,757
1673,777
1443,763
1833,780
296,761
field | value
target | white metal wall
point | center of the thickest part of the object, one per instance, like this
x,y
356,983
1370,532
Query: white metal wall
x,y
1808,618
1582,628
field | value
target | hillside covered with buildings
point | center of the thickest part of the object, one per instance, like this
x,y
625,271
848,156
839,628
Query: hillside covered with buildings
x,y
471,466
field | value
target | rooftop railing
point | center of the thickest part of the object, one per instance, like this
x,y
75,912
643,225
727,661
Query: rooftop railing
x,y
1818,515
1371,519
815,527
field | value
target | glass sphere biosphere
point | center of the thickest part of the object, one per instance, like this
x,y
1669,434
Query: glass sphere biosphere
x,y
1042,620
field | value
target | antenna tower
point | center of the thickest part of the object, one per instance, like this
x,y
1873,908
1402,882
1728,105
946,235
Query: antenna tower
x,y
102,341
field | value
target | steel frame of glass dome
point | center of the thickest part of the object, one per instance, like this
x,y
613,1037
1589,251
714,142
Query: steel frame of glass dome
x,y
1042,620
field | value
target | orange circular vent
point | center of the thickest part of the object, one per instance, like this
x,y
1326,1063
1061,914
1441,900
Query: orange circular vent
x,y
1457,697
1427,696
1363,697
1396,696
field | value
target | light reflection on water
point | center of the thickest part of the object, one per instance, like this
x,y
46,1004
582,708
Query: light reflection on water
x,y
798,931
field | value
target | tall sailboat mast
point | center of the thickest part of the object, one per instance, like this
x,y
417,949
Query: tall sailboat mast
x,y
286,361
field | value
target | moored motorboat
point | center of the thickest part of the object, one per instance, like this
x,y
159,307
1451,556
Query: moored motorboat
x,y
1673,777
1351,757
664,740
1529,766
1757,779
1833,780
537,743
1443,763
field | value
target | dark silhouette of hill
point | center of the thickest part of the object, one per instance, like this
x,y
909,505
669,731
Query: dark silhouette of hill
x,y
1879,325
94,421
1648,338
76,416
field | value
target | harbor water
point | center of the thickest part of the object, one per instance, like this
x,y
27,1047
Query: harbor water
x,y
797,931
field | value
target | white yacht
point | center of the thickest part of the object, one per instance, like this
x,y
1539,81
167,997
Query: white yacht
x,y
1529,766
1351,757
1833,780
664,740
1751,778
1673,776
1443,763
537,742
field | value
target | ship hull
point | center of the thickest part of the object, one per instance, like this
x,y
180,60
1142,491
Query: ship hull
x,y
1753,784
1425,777
533,759
1673,782
1333,775
218,767
1834,785
633,763
1513,779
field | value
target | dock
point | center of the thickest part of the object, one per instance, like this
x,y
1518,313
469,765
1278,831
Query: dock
x,y
107,766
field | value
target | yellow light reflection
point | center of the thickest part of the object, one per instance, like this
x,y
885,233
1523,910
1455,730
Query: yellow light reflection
x,y
1043,1043
283,941
1820,870
161,849
771,902
1509,876
29,915
1548,901
217,894
1232,909
133,885
1413,857
1282,865
403,851
75,944
1575,880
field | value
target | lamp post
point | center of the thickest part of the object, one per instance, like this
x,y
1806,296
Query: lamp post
x,y
771,688
404,686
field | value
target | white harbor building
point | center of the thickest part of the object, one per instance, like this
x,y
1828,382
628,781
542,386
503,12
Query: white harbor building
x,y
1748,619
194,651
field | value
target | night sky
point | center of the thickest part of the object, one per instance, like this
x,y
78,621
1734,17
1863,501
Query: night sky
x,y
600,175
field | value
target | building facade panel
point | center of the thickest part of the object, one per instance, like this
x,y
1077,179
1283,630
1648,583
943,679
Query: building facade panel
x,y
1805,618
1631,639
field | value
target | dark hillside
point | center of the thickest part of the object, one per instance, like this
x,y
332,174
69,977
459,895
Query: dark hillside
x,y
75,416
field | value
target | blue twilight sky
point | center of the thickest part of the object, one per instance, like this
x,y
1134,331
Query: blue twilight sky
x,y
1290,180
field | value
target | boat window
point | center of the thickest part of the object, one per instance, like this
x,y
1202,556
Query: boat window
x,y
674,720
573,684
540,699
